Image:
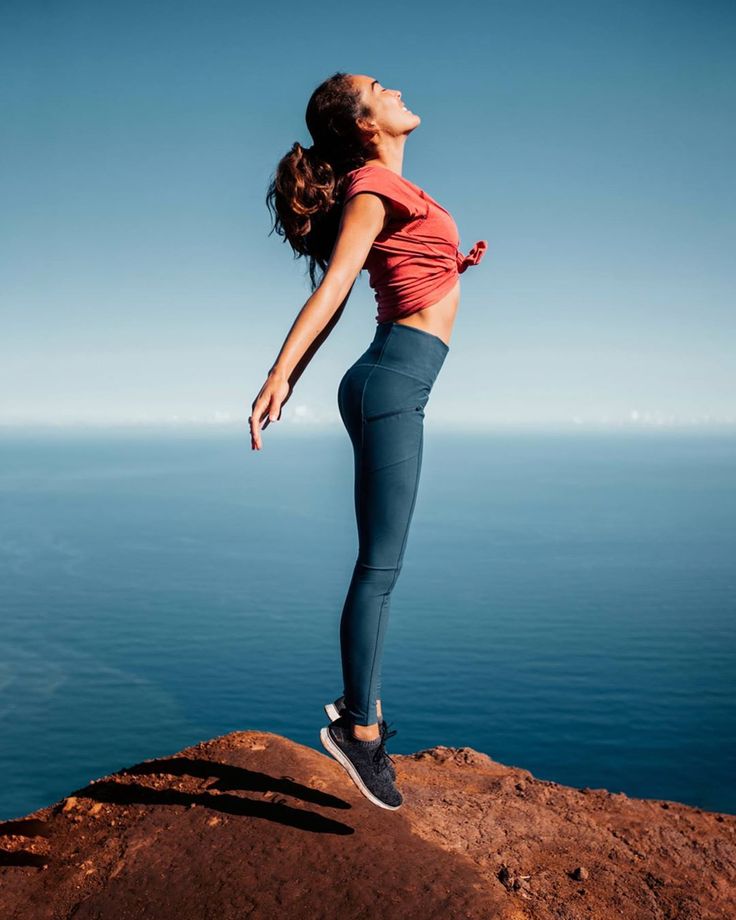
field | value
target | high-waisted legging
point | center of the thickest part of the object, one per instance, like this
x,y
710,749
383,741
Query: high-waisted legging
x,y
382,398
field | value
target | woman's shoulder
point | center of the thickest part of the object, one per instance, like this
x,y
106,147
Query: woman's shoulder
x,y
406,196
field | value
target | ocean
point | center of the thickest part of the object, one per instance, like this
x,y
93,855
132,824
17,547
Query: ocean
x,y
566,604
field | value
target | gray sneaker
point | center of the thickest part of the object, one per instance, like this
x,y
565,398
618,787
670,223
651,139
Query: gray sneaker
x,y
365,762
338,708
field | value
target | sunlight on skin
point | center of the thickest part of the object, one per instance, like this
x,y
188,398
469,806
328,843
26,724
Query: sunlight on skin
x,y
368,732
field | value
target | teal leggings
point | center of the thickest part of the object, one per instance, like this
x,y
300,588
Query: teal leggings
x,y
382,398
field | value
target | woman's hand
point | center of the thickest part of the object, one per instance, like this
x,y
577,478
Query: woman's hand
x,y
267,406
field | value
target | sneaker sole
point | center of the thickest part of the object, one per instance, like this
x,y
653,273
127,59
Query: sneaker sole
x,y
329,745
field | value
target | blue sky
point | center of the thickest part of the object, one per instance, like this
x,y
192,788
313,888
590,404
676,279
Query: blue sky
x,y
591,144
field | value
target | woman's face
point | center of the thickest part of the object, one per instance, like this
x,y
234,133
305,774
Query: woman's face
x,y
389,114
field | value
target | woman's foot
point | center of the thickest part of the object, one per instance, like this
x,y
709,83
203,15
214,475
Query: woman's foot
x,y
366,762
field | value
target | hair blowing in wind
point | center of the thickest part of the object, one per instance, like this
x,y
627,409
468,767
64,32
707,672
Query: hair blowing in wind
x,y
304,194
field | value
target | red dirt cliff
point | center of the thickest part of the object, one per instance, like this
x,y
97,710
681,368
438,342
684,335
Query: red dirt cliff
x,y
252,824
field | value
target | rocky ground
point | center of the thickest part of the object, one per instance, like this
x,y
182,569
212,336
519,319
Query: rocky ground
x,y
253,825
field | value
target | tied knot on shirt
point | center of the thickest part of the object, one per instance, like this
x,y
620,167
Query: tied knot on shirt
x,y
473,257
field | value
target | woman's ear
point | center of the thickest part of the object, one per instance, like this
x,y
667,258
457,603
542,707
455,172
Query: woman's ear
x,y
367,128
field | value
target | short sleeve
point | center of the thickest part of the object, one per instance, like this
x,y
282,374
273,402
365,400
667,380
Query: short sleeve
x,y
407,203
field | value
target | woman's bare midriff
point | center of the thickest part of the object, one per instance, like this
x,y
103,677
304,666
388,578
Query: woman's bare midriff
x,y
438,318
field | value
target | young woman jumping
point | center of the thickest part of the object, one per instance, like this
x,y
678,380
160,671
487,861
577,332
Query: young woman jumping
x,y
344,205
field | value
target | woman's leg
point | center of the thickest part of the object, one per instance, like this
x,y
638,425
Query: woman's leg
x,y
388,457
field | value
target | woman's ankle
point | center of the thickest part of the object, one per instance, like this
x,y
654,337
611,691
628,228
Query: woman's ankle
x,y
366,732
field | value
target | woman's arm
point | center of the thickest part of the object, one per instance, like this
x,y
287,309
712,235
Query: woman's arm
x,y
316,345
363,218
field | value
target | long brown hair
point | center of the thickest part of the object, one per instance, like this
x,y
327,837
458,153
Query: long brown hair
x,y
304,195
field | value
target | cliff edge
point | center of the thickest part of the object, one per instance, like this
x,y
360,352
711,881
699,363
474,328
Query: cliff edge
x,y
252,824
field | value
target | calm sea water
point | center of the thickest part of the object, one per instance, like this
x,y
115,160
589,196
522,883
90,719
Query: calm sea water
x,y
566,604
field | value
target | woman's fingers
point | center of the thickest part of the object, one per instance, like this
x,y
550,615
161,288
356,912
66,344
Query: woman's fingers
x,y
257,426
254,437
266,409
260,408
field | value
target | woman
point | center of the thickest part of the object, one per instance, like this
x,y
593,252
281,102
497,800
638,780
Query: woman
x,y
344,204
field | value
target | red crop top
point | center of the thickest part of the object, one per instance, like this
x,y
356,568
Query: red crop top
x,y
416,260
